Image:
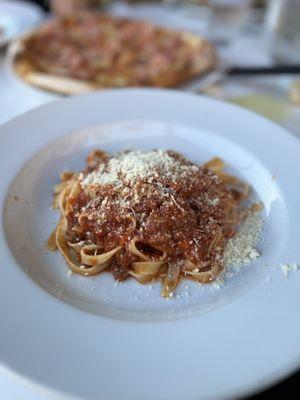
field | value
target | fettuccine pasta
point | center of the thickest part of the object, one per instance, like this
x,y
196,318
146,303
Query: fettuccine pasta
x,y
148,215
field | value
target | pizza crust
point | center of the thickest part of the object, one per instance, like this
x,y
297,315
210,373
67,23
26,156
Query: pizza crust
x,y
51,83
57,84
206,61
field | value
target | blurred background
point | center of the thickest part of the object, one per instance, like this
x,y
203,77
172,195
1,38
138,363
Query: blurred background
x,y
258,43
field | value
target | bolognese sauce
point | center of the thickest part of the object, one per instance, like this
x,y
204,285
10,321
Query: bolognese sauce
x,y
150,215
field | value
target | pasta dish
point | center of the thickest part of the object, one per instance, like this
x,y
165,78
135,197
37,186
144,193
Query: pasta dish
x,y
148,215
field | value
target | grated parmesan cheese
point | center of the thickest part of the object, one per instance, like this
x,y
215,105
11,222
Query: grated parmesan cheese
x,y
214,202
240,249
136,165
287,268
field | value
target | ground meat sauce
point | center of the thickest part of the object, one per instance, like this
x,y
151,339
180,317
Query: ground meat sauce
x,y
113,51
166,203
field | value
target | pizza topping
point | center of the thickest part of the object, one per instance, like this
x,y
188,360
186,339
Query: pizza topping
x,y
111,51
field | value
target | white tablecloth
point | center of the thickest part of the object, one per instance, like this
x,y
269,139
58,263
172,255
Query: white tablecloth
x,y
16,98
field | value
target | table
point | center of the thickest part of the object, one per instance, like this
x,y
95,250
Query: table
x,y
16,98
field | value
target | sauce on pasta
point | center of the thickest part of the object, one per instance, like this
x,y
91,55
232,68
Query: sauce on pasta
x,y
148,215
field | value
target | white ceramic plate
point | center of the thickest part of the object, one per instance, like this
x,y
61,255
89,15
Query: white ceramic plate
x,y
91,338
16,17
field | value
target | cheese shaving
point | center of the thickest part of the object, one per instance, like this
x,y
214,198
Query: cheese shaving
x,y
287,268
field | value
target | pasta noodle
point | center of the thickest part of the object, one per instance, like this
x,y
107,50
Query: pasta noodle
x,y
148,216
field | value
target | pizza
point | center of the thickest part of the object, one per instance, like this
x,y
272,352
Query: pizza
x,y
88,51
